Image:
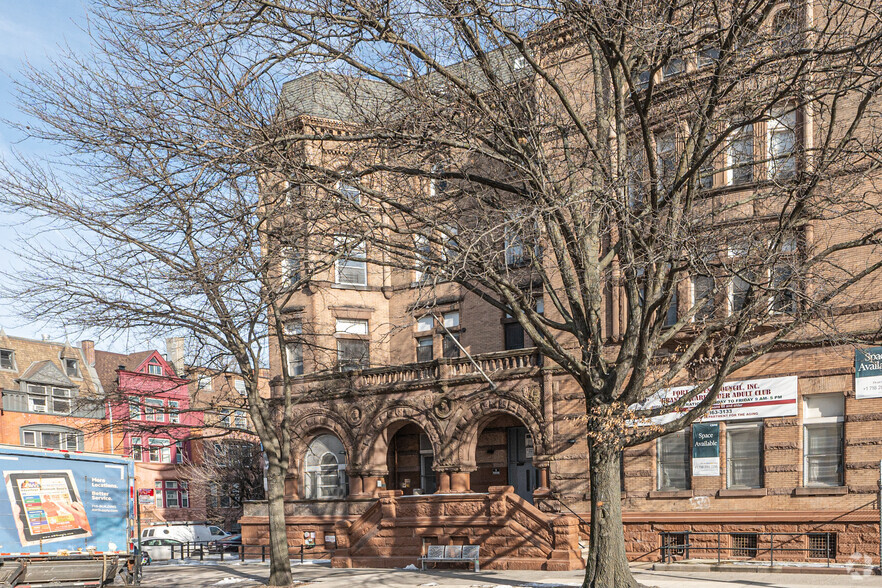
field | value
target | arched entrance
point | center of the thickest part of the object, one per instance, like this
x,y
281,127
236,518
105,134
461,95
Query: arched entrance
x,y
504,456
410,461
324,469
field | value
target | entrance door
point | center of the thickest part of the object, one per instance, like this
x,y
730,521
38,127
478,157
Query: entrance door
x,y
521,473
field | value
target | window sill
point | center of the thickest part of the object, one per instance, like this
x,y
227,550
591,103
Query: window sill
x,y
670,494
741,492
363,287
820,491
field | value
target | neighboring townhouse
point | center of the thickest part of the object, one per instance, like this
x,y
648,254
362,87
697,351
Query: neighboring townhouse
x,y
52,397
153,423
226,458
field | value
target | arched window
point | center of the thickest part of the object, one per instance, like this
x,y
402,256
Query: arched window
x,y
325,469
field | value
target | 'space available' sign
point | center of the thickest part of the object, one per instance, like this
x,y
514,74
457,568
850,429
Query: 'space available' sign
x,y
706,449
742,400
868,373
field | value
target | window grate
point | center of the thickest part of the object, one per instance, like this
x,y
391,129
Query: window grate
x,y
674,544
744,544
822,545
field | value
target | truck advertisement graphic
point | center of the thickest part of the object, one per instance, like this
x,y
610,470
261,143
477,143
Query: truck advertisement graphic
x,y
64,502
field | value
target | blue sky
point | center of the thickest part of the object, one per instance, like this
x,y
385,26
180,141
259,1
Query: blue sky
x,y
31,33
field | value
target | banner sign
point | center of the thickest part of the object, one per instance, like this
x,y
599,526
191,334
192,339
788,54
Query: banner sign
x,y
868,373
747,399
145,496
706,449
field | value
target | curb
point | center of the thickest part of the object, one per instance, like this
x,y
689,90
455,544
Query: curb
x,y
732,568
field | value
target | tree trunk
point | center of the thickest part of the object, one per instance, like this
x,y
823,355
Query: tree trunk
x,y
607,565
280,560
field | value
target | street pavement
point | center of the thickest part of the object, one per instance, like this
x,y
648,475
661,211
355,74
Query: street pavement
x,y
249,575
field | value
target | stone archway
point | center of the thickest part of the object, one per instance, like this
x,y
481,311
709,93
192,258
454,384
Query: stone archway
x,y
503,442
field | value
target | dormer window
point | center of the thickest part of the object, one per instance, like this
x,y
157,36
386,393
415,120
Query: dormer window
x,y
154,368
7,359
71,368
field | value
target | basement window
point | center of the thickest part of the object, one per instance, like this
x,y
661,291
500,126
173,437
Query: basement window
x,y
822,545
744,544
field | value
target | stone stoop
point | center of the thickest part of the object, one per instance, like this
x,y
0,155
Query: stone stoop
x,y
512,533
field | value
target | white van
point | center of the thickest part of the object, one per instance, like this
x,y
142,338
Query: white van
x,y
185,532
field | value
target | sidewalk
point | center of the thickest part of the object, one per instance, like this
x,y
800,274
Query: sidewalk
x,y
248,575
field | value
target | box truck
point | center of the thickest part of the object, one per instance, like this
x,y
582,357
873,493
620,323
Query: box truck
x,y
65,518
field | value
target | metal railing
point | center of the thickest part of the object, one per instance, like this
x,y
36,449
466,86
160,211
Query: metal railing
x,y
328,552
201,549
680,544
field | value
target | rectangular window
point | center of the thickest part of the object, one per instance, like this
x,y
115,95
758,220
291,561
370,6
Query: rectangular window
x,y
154,369
514,336
425,323
185,495
353,354
739,288
294,353
744,451
352,326
702,296
240,421
350,193
153,410
157,495
451,319
36,403
7,359
423,252
514,247
741,156
290,266
673,461
239,386
666,158
134,410
29,439
674,67
50,440
179,452
783,298
171,497
60,401
173,415
671,314
781,142
449,346
744,544
204,383
708,56
159,451
352,265
823,416
71,368
822,545
136,449
425,349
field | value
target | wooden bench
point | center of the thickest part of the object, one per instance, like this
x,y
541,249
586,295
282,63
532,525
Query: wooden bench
x,y
451,554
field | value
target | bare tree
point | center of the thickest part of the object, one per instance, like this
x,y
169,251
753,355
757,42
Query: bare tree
x,y
156,223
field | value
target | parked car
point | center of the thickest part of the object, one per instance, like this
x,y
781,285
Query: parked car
x,y
161,549
184,532
228,543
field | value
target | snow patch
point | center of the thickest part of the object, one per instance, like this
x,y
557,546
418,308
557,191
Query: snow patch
x,y
409,567
229,580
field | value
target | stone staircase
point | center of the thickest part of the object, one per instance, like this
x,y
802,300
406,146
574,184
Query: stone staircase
x,y
511,532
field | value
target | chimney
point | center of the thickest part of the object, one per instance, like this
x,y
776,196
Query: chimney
x,y
175,353
88,348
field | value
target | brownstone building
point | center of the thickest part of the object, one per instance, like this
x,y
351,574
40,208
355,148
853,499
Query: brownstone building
x,y
431,419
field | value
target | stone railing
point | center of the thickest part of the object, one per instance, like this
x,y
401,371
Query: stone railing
x,y
498,365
